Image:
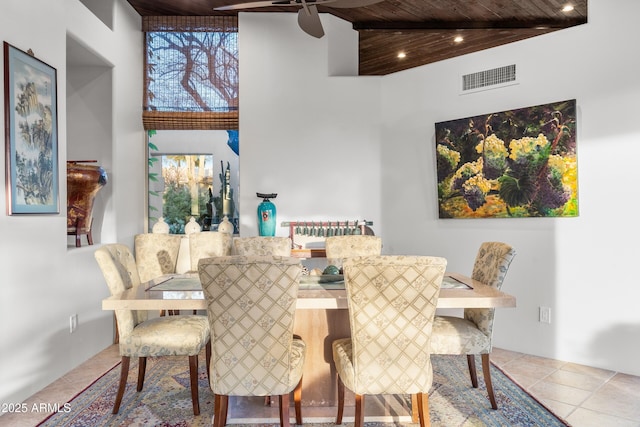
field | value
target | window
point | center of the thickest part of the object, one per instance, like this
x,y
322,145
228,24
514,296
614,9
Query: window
x,y
191,87
184,187
192,174
191,79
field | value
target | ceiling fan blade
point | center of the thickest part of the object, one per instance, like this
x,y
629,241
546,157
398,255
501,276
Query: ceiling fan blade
x,y
309,20
346,4
252,4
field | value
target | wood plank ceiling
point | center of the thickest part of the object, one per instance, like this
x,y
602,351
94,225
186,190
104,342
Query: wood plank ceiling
x,y
423,29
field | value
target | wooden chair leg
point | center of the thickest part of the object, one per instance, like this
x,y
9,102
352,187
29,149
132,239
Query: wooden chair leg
x,y
486,370
423,409
216,409
297,402
142,368
124,373
208,356
359,419
340,401
284,410
193,375
226,411
220,407
415,417
471,361
116,339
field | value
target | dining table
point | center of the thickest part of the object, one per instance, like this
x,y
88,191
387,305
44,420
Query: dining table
x,y
321,316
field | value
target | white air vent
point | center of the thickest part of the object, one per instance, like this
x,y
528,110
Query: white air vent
x,y
489,79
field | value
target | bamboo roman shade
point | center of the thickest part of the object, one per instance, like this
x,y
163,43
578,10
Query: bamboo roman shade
x,y
191,72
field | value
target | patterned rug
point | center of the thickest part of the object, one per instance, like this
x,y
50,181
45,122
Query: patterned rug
x,y
166,400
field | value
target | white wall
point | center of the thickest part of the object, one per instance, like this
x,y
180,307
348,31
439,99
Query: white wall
x,y
44,281
580,267
311,138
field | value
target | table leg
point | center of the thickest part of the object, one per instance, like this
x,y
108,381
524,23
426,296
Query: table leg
x,y
319,328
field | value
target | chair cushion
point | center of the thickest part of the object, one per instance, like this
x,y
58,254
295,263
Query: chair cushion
x,y
167,336
343,358
298,350
263,378
455,335
370,378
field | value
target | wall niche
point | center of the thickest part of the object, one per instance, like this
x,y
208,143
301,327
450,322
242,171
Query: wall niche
x,y
89,101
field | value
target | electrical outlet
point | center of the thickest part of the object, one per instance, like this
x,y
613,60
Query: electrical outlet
x,y
545,314
73,323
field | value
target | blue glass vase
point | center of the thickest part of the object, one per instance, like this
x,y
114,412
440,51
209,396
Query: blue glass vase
x,y
267,215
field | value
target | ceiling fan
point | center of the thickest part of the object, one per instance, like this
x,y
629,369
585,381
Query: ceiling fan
x,y
308,18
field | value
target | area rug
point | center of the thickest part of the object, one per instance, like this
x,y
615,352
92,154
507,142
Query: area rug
x,y
166,400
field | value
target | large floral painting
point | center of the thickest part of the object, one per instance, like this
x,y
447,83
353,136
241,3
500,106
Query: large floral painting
x,y
517,163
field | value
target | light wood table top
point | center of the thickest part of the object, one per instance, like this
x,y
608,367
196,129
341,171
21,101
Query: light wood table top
x,y
183,292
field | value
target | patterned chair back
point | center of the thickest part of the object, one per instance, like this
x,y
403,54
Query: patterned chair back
x,y
156,254
339,248
392,303
490,267
263,245
208,244
251,302
119,270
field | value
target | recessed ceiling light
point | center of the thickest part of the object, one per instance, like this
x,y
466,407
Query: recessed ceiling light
x,y
458,39
402,55
567,8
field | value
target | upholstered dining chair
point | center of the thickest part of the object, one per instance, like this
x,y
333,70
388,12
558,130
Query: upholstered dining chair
x,y
156,254
339,248
472,334
142,337
208,244
251,301
392,302
262,245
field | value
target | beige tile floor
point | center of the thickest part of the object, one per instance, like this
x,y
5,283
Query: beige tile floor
x,y
582,395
